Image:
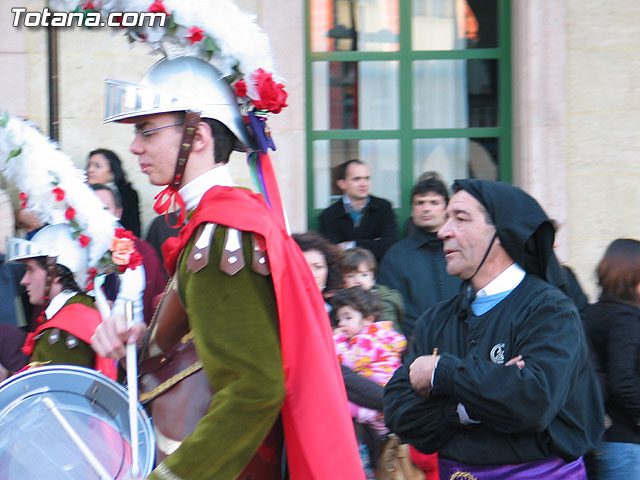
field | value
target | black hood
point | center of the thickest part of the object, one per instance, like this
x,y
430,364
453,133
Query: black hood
x,y
524,230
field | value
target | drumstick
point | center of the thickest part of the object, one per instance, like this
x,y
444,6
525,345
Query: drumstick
x,y
132,388
86,453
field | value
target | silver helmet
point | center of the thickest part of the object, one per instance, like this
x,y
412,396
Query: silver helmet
x,y
174,85
53,241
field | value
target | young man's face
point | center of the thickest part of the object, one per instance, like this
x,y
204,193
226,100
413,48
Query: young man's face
x,y
362,277
428,211
34,280
356,183
157,151
350,321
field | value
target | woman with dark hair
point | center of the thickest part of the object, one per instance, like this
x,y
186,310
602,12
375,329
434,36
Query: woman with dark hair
x,y
323,258
105,167
613,327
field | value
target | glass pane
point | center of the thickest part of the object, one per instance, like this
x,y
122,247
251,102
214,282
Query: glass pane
x,y
355,95
457,158
455,93
454,24
352,25
382,157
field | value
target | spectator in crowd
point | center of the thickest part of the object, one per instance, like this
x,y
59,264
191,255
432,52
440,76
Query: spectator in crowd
x,y
323,258
498,380
13,310
143,285
358,218
12,313
358,268
572,286
613,327
369,347
415,266
104,167
161,228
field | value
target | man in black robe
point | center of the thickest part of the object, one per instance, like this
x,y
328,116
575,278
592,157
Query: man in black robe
x,y
498,380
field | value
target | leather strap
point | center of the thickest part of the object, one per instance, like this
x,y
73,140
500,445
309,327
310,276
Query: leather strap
x,y
50,267
191,120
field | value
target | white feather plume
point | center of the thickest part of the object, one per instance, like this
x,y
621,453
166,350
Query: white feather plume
x,y
241,41
38,169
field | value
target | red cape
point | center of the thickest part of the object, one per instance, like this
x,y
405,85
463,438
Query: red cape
x,y
319,434
80,321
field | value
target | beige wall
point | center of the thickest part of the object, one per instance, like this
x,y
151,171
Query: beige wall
x,y
603,128
577,121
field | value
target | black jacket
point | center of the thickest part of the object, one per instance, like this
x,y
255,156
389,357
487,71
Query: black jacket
x,y
552,406
130,209
415,266
377,230
614,331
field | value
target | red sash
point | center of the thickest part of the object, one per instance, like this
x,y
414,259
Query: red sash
x,y
319,435
80,321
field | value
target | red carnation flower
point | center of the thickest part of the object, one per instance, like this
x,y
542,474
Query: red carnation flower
x,y
157,7
124,233
272,95
23,200
241,88
195,35
84,240
70,213
88,6
59,193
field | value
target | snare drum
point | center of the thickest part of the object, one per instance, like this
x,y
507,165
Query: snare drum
x,y
68,422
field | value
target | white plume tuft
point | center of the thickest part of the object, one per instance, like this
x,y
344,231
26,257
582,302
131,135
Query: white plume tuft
x,y
35,166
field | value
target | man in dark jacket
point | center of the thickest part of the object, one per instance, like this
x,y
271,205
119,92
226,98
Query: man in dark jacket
x,y
415,266
359,219
498,379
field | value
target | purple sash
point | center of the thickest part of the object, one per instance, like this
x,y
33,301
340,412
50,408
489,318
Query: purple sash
x,y
552,468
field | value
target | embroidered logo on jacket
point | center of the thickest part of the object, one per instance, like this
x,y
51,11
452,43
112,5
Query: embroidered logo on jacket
x,y
462,475
497,353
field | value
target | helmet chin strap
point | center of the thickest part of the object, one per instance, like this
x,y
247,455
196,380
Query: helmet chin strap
x,y
170,195
191,120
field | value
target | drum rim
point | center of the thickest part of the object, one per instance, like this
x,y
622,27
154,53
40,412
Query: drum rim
x,y
142,416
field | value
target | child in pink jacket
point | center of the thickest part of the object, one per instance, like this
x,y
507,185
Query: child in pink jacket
x,y
371,349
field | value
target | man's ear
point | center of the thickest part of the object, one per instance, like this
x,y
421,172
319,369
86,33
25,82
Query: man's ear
x,y
202,137
342,185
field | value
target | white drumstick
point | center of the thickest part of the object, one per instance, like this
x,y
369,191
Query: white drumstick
x,y
132,388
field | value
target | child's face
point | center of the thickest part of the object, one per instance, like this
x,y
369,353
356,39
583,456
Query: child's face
x,y
362,277
350,321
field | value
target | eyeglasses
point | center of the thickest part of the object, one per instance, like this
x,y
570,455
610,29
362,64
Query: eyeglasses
x,y
147,133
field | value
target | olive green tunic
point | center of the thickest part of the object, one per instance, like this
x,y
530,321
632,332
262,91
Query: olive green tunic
x,y
45,350
235,324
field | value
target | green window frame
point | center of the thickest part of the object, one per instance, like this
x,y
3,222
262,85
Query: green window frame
x,y
406,134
